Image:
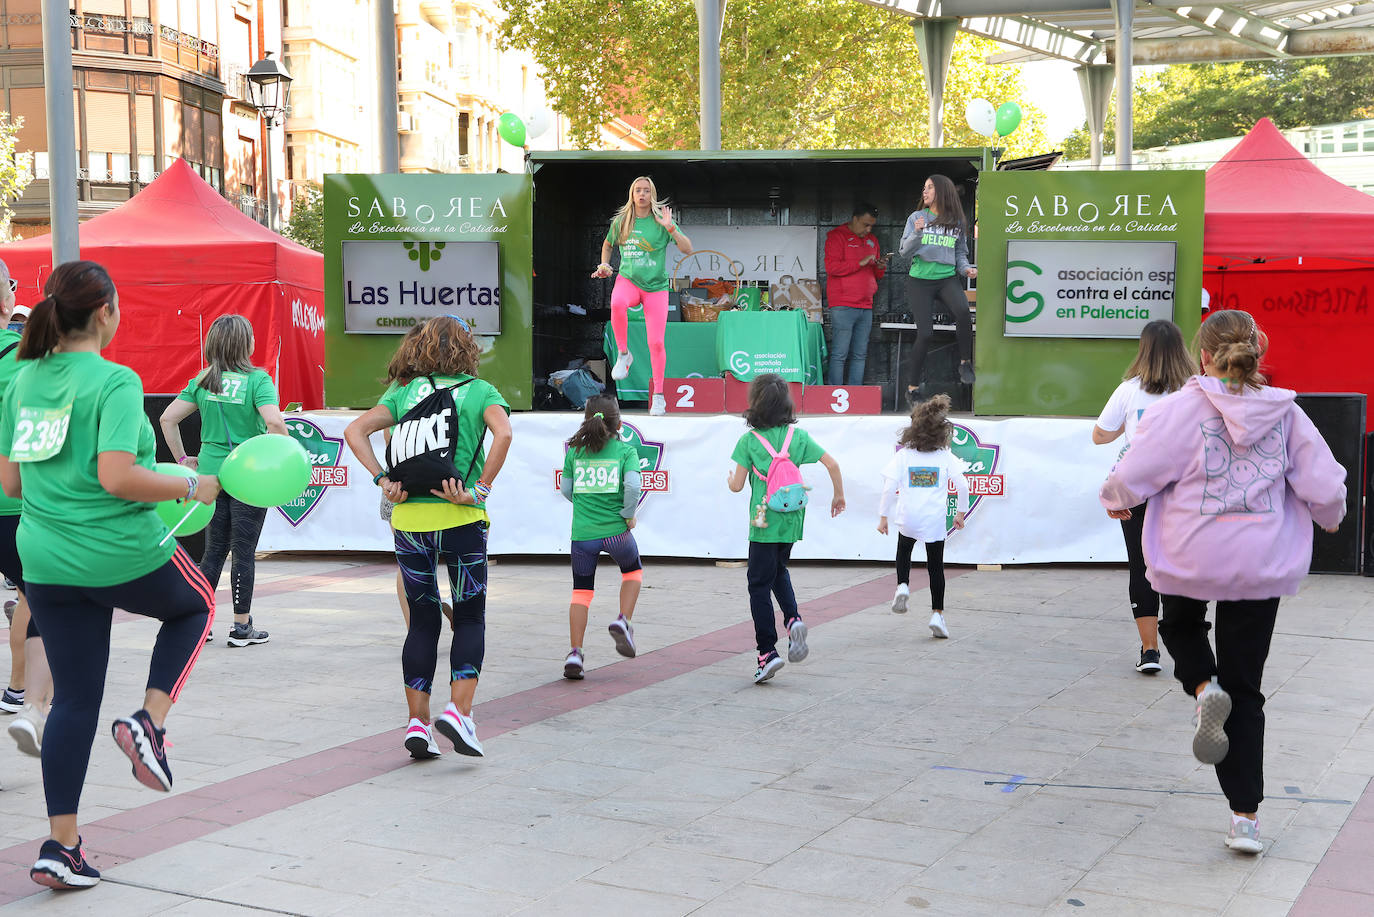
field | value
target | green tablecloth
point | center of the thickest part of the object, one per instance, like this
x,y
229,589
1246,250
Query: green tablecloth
x,y
787,343
694,348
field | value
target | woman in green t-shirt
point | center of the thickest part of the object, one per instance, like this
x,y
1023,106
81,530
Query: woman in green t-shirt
x,y
236,401
451,522
76,446
642,229
936,240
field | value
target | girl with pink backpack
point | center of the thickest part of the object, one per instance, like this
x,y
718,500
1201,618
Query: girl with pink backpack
x,y
768,456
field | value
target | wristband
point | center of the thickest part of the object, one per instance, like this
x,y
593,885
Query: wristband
x,y
377,478
183,460
481,491
672,230
192,485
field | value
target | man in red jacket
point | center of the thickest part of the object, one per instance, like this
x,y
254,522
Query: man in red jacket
x,y
854,261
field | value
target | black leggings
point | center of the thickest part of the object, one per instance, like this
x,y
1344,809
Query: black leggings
x,y
464,549
935,567
920,298
1144,599
75,621
235,526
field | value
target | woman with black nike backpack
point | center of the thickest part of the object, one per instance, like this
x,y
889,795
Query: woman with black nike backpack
x,y
439,475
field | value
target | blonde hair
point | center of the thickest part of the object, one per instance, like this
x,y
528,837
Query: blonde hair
x,y
1236,345
624,220
228,348
1162,363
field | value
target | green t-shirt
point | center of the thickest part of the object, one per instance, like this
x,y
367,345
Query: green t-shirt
x,y
59,414
230,417
598,481
749,452
426,512
9,365
643,254
930,270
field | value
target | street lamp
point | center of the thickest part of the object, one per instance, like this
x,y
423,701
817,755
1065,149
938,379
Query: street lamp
x,y
268,83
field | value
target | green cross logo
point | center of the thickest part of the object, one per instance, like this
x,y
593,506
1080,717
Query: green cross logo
x,y
984,481
1014,294
325,471
424,252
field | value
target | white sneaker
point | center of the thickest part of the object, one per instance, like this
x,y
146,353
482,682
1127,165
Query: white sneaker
x,y
797,650
573,667
658,406
624,636
1244,835
420,740
899,600
27,730
460,730
622,366
937,625
1210,742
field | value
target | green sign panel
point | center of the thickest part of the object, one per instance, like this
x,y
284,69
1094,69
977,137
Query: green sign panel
x,y
402,248
1071,266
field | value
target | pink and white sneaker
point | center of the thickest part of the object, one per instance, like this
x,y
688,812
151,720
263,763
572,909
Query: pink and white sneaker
x,y
460,730
420,741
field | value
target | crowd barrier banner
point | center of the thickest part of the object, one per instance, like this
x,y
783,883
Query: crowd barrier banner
x,y
1034,480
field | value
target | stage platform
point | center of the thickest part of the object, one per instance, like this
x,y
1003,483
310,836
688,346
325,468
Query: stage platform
x,y
1035,483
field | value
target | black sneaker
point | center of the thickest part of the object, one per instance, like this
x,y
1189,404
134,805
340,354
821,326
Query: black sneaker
x,y
246,635
1149,662
768,666
63,867
144,743
12,701
966,373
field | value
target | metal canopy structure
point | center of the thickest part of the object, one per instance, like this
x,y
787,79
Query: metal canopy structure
x,y
1108,37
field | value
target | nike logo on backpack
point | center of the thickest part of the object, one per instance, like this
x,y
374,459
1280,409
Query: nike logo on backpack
x,y
424,434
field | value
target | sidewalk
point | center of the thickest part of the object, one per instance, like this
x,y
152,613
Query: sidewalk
x,y
1020,767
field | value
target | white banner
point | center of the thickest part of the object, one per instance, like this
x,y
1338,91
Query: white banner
x,y
1083,289
391,286
1035,482
758,252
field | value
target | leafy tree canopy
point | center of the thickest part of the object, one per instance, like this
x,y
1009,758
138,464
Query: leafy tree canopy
x,y
795,74
306,225
1186,103
15,171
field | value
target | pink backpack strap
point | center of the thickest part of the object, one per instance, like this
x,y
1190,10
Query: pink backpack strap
x,y
769,449
787,442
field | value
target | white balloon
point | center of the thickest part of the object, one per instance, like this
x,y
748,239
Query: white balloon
x,y
538,123
982,117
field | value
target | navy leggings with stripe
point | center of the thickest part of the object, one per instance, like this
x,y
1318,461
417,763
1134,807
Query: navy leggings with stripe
x,y
76,623
235,527
464,549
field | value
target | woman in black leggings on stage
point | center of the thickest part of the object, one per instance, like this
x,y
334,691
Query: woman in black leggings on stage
x,y
76,445
936,240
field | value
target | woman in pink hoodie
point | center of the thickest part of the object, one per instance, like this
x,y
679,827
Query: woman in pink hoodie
x,y
1235,474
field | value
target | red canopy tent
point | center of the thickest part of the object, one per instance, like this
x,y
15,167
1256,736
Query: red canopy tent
x,y
1295,248
181,256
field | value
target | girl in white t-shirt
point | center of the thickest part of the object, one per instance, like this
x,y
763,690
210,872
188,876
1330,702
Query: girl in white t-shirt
x,y
916,481
1160,367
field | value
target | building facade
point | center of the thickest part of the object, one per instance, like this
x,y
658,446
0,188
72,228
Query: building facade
x,y
154,80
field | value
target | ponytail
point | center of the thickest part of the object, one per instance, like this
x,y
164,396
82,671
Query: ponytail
x,y
71,296
601,425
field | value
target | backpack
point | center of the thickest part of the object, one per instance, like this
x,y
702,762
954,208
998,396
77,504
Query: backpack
x,y
783,490
420,455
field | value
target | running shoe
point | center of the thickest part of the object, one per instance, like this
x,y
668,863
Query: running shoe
x,y
460,730
769,663
246,635
658,406
900,598
63,867
10,606
622,366
797,649
624,636
420,741
1149,662
9,583
573,666
145,746
1210,743
11,701
966,372
27,730
1244,835
938,626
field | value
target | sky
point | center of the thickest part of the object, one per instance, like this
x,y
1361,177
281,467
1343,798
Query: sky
x,y
1052,86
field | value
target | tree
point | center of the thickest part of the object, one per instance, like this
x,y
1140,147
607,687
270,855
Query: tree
x,y
1186,103
795,74
16,171
306,225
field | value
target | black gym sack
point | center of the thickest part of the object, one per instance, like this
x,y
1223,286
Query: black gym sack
x,y
420,456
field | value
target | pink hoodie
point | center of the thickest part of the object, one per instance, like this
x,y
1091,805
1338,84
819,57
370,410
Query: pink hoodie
x,y
1234,483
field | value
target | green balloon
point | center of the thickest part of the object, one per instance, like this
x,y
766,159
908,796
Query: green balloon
x,y
173,512
267,470
1008,118
511,129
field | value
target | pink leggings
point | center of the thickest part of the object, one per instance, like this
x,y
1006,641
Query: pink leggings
x,y
626,295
